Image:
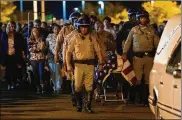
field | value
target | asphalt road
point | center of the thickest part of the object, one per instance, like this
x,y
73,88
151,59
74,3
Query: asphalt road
x,y
22,105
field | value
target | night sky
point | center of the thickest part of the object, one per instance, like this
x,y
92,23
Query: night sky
x,y
55,7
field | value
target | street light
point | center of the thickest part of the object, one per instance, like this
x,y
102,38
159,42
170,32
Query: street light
x,y
83,5
21,5
43,10
64,10
101,3
35,9
152,3
21,10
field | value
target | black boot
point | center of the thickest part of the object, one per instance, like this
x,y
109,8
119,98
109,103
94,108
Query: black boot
x,y
88,100
78,96
73,99
138,94
132,94
145,95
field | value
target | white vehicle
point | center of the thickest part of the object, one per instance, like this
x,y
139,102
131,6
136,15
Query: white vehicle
x,y
165,77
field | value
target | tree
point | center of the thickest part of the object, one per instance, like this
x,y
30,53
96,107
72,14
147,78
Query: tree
x,y
91,9
121,16
6,8
161,10
116,11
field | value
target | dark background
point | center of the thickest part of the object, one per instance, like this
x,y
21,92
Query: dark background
x,y
55,7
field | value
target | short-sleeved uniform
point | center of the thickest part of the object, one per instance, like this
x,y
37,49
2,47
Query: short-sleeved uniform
x,y
61,36
143,41
83,50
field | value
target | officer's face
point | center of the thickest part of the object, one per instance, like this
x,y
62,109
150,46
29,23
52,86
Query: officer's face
x,y
84,30
144,20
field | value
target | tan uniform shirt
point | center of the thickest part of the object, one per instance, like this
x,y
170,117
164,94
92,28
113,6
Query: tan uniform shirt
x,y
83,49
60,38
66,41
143,39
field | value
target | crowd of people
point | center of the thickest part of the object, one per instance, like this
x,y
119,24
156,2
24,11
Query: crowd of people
x,y
72,53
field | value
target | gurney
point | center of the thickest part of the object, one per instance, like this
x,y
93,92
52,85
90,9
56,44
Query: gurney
x,y
118,71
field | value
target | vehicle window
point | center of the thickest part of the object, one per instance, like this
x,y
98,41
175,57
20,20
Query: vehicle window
x,y
175,60
160,49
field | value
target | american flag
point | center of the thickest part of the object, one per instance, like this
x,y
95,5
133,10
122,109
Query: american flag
x,y
117,64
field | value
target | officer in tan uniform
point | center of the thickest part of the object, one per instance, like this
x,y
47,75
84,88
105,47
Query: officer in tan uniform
x,y
62,34
65,47
144,42
84,45
61,42
105,40
67,39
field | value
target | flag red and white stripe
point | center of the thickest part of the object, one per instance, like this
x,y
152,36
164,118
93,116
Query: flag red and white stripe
x,y
126,69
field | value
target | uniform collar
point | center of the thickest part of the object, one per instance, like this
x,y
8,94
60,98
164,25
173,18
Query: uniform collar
x,y
84,36
143,27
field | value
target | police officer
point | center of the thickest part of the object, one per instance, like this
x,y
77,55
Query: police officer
x,y
120,40
84,45
61,45
67,28
65,47
66,41
144,41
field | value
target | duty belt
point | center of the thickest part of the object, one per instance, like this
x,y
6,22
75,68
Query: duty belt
x,y
88,62
142,54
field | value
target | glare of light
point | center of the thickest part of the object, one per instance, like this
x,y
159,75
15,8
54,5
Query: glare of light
x,y
101,3
35,9
83,5
21,10
43,10
100,11
21,5
76,9
64,10
54,19
152,3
